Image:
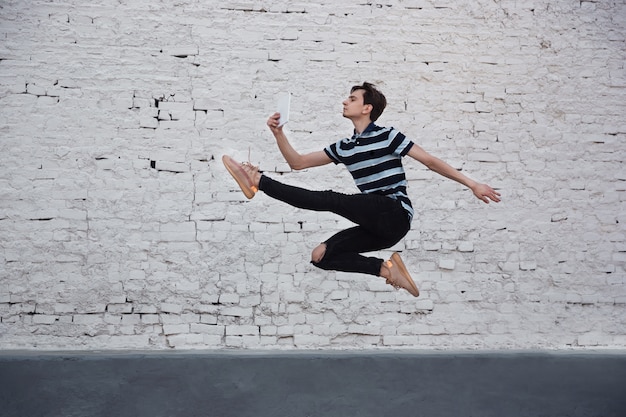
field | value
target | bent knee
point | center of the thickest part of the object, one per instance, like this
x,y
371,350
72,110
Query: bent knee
x,y
318,253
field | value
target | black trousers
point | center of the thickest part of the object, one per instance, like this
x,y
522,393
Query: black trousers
x,y
381,223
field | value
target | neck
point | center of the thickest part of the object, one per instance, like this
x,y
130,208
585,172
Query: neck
x,y
361,124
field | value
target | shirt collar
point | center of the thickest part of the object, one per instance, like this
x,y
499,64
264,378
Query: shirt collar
x,y
369,128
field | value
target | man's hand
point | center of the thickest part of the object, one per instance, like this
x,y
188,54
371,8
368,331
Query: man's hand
x,y
273,122
295,160
486,193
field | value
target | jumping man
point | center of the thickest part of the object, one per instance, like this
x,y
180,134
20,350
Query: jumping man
x,y
382,210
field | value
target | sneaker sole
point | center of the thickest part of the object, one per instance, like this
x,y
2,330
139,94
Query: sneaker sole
x,y
395,257
234,171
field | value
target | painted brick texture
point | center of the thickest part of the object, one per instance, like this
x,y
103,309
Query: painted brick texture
x,y
120,228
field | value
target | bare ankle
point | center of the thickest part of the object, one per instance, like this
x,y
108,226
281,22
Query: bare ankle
x,y
384,271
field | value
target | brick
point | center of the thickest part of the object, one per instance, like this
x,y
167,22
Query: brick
x,y
242,330
339,295
171,308
237,312
173,232
150,318
448,264
229,298
208,319
64,308
183,340
131,319
212,340
310,340
528,265
119,308
465,247
206,329
294,297
87,319
35,90
594,339
169,329
44,319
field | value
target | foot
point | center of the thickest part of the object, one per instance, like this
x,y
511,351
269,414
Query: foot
x,y
399,275
245,174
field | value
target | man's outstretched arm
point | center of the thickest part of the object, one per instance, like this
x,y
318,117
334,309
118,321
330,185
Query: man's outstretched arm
x,y
481,191
295,160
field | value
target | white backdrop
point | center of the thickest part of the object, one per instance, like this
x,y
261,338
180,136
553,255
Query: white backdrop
x,y
120,228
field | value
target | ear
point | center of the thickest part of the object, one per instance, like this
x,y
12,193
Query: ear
x,y
367,108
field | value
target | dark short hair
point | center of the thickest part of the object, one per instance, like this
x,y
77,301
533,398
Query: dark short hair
x,y
371,95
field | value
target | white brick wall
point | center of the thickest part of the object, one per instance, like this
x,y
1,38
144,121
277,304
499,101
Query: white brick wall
x,y
120,229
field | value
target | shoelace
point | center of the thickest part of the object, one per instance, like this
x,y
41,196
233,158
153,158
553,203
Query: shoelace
x,y
247,164
250,166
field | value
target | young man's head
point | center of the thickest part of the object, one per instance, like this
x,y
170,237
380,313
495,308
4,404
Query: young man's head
x,y
370,99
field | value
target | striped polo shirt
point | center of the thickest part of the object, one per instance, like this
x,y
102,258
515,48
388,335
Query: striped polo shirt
x,y
374,158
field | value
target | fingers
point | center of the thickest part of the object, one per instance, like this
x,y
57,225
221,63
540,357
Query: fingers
x,y
275,116
487,194
493,196
273,121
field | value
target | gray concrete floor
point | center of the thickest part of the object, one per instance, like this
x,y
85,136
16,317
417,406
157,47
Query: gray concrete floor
x,y
307,384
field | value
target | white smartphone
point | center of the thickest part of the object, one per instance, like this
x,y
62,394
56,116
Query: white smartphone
x,y
283,101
